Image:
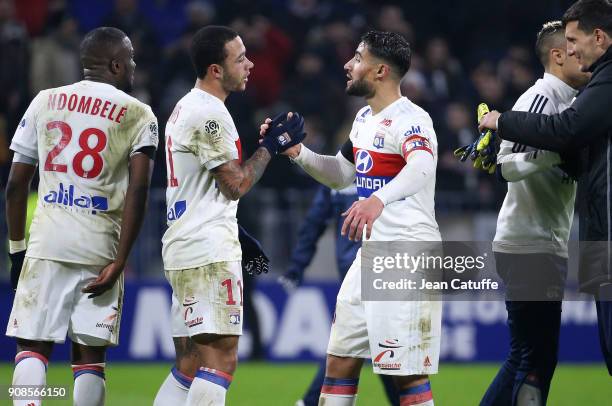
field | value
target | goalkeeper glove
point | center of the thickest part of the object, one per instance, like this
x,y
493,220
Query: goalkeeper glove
x,y
484,158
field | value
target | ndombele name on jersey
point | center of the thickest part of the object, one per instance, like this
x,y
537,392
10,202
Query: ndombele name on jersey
x,y
66,198
87,105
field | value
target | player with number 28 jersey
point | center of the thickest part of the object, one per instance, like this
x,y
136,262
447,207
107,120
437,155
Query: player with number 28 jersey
x,y
94,146
82,136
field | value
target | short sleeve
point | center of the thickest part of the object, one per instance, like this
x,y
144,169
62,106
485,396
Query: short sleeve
x,y
25,139
214,142
148,134
417,135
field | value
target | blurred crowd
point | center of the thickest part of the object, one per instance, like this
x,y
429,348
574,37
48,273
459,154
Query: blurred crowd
x,y
463,53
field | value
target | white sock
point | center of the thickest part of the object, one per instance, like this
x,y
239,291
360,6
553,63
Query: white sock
x,y
89,384
328,399
429,402
338,392
174,389
30,369
208,388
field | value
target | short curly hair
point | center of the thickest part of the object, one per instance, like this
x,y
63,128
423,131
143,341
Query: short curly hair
x,y
391,47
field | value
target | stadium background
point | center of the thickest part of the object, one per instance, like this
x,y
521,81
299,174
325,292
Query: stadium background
x,y
464,52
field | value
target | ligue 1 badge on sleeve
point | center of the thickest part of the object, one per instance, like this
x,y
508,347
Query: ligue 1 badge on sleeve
x,y
212,128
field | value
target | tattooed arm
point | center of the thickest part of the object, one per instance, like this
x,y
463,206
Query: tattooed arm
x,y
235,180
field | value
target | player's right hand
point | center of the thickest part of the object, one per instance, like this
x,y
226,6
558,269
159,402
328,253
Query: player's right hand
x,y
105,280
282,132
17,259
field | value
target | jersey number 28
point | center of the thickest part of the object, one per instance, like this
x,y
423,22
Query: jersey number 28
x,y
79,157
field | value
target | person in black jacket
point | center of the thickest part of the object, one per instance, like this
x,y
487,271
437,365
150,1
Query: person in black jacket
x,y
583,133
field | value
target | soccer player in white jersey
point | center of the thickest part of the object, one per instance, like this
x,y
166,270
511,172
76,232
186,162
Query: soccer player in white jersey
x,y
532,232
94,146
201,249
392,153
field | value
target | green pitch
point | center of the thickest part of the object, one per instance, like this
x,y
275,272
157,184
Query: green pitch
x,y
282,384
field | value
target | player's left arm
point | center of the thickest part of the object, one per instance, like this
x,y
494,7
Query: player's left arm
x,y
420,167
141,169
235,179
142,158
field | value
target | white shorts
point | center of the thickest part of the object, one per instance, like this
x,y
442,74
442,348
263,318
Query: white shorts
x,y
401,337
49,304
207,299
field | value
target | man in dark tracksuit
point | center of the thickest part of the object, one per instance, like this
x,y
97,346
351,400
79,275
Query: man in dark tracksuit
x,y
327,205
584,132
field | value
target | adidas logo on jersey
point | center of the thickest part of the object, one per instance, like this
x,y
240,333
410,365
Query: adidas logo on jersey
x,y
67,197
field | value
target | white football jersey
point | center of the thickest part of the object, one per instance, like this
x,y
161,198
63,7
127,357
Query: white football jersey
x,y
202,225
82,136
537,213
381,145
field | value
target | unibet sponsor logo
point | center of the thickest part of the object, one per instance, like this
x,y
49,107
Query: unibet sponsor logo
x,y
384,359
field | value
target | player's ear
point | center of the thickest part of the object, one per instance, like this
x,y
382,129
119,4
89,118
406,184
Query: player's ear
x,y
115,66
216,71
557,56
600,36
383,70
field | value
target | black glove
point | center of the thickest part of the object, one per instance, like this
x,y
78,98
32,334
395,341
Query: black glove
x,y
16,265
254,259
283,133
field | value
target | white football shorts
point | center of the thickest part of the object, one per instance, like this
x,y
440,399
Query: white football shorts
x,y
207,299
401,337
49,304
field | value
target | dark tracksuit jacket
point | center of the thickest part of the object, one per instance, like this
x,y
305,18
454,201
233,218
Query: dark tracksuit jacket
x,y
583,131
